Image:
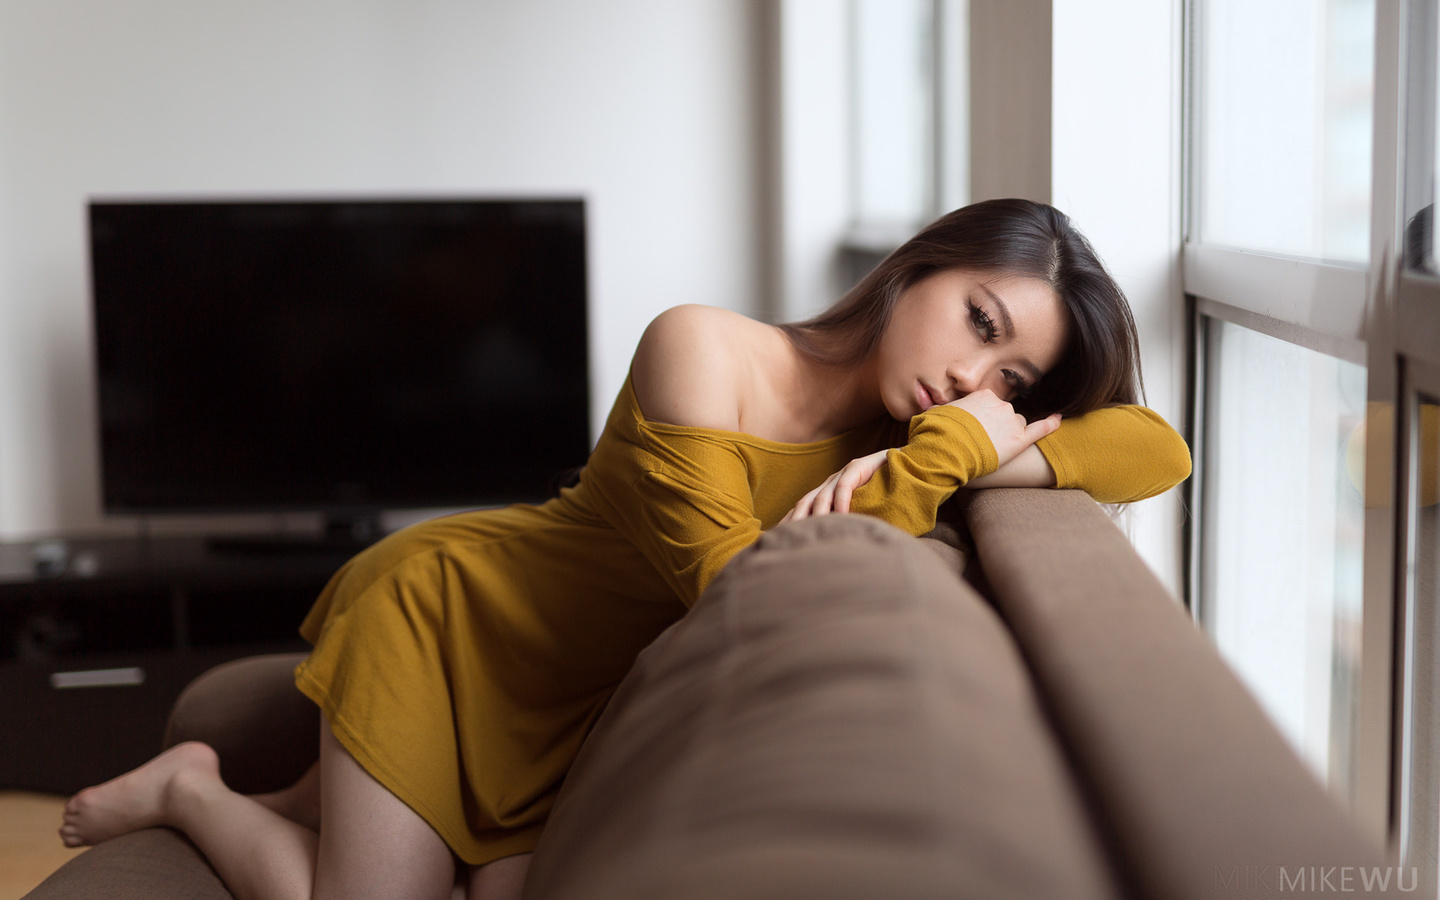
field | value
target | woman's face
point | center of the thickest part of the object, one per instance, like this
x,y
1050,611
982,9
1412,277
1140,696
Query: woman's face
x,y
959,331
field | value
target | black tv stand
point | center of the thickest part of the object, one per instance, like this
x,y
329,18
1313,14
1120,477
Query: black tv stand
x,y
344,536
99,635
285,545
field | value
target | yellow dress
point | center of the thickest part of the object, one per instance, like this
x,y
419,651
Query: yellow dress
x,y
463,660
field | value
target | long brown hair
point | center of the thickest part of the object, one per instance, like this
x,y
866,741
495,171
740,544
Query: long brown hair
x,y
1101,362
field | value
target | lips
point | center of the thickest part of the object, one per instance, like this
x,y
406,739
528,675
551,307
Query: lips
x,y
923,395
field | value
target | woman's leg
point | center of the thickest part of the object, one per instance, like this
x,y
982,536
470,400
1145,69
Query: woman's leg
x,y
300,802
371,844
502,879
257,853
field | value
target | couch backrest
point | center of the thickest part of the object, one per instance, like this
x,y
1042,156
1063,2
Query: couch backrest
x,y
840,716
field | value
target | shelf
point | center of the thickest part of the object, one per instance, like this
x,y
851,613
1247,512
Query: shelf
x,y
149,614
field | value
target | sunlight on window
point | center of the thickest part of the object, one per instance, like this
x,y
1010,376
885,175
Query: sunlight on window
x,y
1284,523
1285,124
893,115
1422,764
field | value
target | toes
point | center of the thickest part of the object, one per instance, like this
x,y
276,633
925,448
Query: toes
x,y
75,807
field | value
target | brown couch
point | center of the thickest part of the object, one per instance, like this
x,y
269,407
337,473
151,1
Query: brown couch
x,y
842,715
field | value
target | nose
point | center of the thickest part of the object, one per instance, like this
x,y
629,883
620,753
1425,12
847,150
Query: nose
x,y
967,375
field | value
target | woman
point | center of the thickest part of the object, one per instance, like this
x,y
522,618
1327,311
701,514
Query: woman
x,y
460,663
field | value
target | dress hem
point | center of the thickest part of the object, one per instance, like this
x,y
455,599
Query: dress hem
x,y
467,847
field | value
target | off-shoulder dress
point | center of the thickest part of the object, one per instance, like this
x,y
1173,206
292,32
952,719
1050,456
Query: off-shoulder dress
x,y
462,661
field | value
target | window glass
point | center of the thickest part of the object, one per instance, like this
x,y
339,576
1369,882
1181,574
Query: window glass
x,y
1284,125
1422,163
893,113
1281,584
1423,763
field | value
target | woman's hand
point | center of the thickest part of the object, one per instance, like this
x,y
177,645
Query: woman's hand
x,y
1007,429
833,494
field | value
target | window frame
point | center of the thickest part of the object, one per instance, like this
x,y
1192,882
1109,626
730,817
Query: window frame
x,y
866,242
1372,314
1386,316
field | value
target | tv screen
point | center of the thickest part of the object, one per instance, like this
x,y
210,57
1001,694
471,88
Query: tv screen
x,y
342,355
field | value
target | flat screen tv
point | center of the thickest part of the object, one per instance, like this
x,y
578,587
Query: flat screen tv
x,y
346,356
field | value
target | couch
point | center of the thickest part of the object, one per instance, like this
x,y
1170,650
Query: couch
x,y
1011,707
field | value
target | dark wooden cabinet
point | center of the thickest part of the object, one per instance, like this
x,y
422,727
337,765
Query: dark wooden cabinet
x,y
98,638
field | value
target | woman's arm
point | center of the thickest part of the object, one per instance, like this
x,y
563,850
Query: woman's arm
x,y
977,437
1029,468
1117,455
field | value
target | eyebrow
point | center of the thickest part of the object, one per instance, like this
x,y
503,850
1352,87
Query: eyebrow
x,y
1007,325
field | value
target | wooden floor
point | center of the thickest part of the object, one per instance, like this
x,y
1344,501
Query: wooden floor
x,y
30,848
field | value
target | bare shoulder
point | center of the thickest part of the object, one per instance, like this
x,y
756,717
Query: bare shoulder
x,y
692,365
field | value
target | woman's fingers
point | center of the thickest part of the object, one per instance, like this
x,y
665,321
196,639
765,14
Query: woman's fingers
x,y
1041,428
845,484
833,494
825,496
856,473
1006,428
804,506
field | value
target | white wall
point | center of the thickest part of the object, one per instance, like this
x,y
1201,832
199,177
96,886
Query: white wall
x,y
645,107
1115,158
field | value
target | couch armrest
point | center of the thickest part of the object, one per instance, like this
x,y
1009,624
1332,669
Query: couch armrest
x,y
265,731
143,865
1196,785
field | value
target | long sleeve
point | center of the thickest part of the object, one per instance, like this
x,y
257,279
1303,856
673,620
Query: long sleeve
x,y
946,448
690,512
681,496
1118,454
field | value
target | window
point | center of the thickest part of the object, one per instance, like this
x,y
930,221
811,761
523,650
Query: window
x,y
1285,106
1419,817
893,104
1283,533
1310,267
1281,126
1412,345
870,109
908,108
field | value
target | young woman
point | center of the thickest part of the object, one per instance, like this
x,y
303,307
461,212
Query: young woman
x,y
460,663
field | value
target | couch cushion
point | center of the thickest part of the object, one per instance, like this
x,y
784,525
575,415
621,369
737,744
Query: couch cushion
x,y
839,716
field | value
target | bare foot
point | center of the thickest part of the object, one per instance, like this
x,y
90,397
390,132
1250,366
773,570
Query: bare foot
x,y
136,799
